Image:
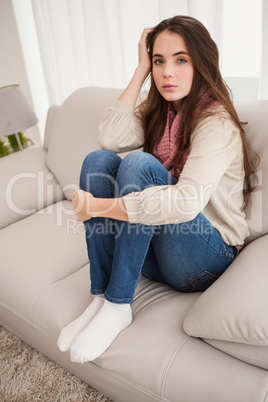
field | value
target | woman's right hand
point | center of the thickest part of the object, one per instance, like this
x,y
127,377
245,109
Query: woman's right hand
x,y
144,58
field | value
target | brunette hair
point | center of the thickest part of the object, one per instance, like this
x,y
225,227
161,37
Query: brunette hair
x,y
205,58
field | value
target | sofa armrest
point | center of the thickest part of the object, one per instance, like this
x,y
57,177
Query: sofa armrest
x,y
26,185
51,115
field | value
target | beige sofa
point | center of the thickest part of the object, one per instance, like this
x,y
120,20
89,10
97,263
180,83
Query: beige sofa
x,y
210,347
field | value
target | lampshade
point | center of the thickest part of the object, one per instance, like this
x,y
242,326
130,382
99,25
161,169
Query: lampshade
x,y
16,113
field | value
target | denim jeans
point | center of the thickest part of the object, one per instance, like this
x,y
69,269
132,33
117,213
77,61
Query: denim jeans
x,y
188,256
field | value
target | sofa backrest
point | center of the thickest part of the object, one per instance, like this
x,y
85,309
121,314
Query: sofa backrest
x,y
73,132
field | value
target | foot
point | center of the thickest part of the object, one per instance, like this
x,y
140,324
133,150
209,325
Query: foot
x,y
70,332
101,332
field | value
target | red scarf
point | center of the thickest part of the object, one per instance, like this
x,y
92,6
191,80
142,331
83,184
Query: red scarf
x,y
167,147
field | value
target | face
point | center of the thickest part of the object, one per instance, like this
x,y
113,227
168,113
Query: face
x,y
172,70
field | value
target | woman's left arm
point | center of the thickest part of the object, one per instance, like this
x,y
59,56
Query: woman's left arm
x,y
86,207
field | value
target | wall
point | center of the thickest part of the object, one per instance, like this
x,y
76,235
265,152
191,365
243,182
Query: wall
x,y
12,66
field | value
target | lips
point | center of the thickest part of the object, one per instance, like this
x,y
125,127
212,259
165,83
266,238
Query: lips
x,y
169,86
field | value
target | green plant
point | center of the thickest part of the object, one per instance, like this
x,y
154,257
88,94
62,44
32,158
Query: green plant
x,y
9,144
14,143
4,151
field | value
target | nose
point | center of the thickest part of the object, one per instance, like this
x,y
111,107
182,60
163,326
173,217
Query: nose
x,y
168,71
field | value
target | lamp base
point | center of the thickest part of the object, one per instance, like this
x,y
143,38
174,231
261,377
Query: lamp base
x,y
18,141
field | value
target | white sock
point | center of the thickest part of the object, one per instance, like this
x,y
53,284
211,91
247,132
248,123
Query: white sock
x,y
101,332
70,332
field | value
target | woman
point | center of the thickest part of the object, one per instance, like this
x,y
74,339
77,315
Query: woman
x,y
174,213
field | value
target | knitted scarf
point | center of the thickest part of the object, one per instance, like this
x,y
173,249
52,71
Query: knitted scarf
x,y
167,147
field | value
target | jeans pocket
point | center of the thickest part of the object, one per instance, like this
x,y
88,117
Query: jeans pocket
x,y
198,283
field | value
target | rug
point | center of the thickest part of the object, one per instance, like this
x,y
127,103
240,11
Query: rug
x,y
28,376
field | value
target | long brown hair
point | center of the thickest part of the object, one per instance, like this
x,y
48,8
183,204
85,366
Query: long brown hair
x,y
205,58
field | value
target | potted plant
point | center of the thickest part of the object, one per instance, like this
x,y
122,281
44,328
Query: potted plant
x,y
9,144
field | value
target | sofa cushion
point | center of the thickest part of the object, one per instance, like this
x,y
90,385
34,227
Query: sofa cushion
x,y
234,309
255,355
255,113
36,252
26,185
75,133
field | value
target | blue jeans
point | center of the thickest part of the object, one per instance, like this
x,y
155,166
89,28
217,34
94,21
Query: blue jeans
x,y
187,256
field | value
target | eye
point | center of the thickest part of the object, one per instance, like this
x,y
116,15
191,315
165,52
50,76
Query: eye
x,y
181,60
158,61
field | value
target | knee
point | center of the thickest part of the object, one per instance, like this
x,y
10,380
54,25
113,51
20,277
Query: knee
x,y
135,172
137,161
99,162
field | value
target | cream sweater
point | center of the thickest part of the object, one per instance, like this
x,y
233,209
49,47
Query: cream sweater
x,y
211,181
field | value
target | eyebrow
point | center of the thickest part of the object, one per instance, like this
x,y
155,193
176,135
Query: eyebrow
x,y
175,54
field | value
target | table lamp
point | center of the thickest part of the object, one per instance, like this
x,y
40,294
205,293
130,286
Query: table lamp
x,y
16,113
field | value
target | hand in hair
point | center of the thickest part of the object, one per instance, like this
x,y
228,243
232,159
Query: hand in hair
x,y
144,59
131,93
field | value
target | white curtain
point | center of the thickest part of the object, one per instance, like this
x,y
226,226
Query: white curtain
x,y
94,42
263,82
